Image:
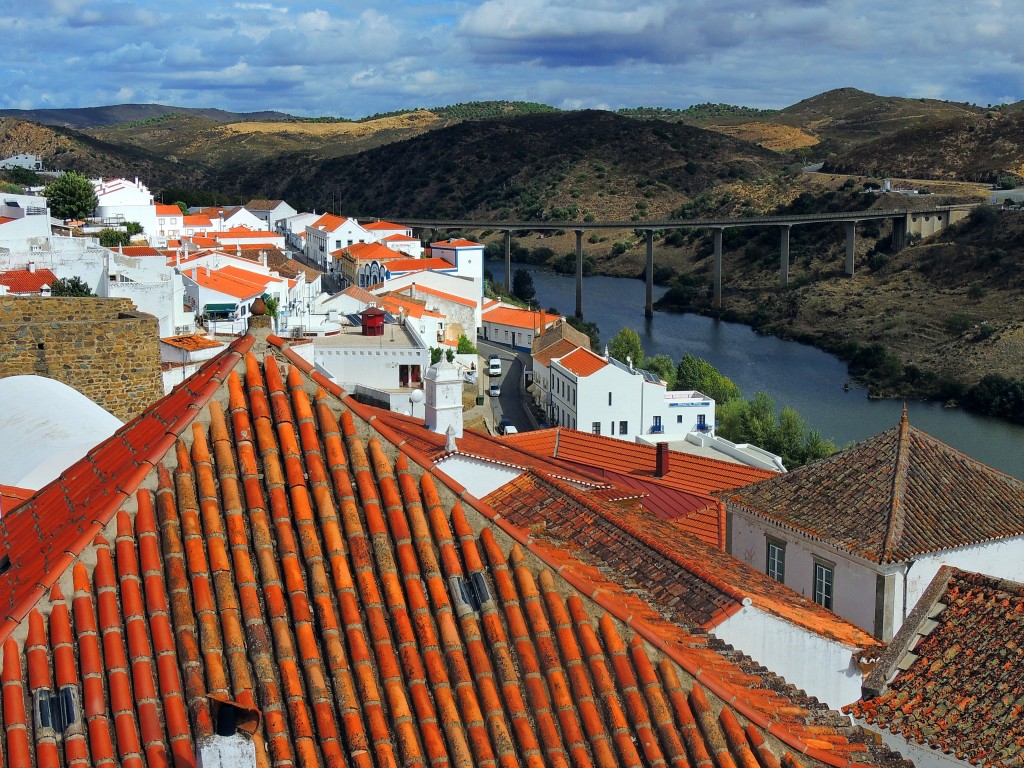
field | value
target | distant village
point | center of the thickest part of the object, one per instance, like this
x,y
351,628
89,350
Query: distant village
x,y
243,522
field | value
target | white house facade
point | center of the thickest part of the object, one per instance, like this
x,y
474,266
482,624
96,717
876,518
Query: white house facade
x,y
330,233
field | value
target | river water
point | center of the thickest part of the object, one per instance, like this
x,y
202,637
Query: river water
x,y
794,374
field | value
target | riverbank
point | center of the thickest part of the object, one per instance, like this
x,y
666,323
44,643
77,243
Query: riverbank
x,y
793,373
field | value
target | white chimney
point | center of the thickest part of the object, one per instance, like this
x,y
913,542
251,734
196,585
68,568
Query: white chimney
x,y
32,267
230,745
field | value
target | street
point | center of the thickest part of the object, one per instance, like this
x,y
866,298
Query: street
x,y
511,404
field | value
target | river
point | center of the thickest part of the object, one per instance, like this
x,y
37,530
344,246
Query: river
x,y
794,374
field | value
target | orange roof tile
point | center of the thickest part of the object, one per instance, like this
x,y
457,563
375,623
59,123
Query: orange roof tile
x,y
256,536
560,348
168,210
240,288
12,496
329,222
518,318
406,264
375,225
400,239
952,677
582,362
27,281
456,243
139,250
197,220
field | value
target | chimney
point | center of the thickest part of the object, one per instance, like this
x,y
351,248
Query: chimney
x,y
32,267
663,461
230,745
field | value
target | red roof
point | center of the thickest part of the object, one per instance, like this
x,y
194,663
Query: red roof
x,y
329,222
191,343
239,287
582,362
25,281
198,220
414,265
256,536
11,496
168,210
560,348
375,225
442,295
952,678
459,243
399,239
519,318
139,250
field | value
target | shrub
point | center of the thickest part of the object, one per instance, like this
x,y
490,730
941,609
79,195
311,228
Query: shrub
x,y
958,324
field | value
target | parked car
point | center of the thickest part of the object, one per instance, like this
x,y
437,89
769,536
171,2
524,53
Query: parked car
x,y
510,430
504,425
495,389
494,365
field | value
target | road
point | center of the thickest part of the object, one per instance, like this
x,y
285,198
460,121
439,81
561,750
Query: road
x,y
511,404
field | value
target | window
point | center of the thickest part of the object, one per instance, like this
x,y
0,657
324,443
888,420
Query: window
x,y
679,419
612,429
776,560
596,427
623,427
823,579
609,398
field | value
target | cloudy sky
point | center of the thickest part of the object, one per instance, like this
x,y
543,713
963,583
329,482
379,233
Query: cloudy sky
x,y
353,59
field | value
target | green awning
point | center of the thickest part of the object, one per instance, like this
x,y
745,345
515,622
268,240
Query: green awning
x,y
220,309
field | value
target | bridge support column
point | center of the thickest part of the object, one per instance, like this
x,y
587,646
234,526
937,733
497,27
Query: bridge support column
x,y
851,246
784,259
649,306
899,233
508,260
718,266
579,273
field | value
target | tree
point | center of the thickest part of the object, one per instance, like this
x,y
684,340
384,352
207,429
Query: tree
x,y
26,177
522,285
588,327
71,286
626,344
695,373
133,228
465,346
111,238
435,355
183,207
70,196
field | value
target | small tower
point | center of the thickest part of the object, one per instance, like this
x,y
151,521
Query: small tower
x,y
443,408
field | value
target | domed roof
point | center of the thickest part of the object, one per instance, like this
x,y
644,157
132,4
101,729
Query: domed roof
x,y
46,427
443,372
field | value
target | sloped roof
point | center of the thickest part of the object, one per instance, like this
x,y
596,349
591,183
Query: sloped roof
x,y
27,281
406,264
168,210
582,362
958,663
518,318
377,225
892,497
191,342
559,332
441,295
263,205
456,243
560,348
329,222
238,286
255,537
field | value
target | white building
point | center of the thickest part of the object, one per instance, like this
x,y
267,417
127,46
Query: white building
x,y
453,296
331,233
466,256
271,212
294,229
513,326
155,288
119,201
604,396
864,531
23,218
31,162
397,237
170,223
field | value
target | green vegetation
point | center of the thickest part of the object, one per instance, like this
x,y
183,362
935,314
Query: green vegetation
x,y
784,433
698,374
522,285
625,347
697,112
71,286
26,177
71,196
997,395
465,346
112,238
588,327
485,110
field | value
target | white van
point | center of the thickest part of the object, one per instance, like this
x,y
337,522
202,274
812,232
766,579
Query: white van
x,y
494,366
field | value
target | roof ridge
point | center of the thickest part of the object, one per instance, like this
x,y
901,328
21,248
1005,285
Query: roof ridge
x,y
897,515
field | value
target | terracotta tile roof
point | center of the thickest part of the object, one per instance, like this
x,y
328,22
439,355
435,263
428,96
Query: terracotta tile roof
x,y
262,205
26,281
953,678
892,497
197,220
329,222
11,496
253,537
559,332
406,264
139,250
560,348
375,225
191,343
360,294
168,210
582,362
399,239
518,318
456,243
368,252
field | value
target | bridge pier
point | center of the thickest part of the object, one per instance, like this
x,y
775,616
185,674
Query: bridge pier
x,y
579,273
851,246
784,259
508,260
649,305
899,233
718,266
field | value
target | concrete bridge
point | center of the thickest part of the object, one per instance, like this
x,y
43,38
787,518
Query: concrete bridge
x,y
924,223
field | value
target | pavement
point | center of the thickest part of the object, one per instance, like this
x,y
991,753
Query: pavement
x,y
511,403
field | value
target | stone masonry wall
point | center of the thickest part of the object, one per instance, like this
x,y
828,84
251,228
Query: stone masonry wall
x,y
103,348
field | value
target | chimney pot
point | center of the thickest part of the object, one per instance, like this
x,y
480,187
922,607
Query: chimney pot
x,y
663,460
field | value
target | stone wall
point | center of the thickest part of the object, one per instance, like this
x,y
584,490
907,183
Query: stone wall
x,y
103,348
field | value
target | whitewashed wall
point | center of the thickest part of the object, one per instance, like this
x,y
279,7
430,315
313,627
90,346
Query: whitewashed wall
x,y
921,755
824,668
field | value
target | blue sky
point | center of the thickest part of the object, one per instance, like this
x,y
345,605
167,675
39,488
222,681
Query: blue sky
x,y
353,59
